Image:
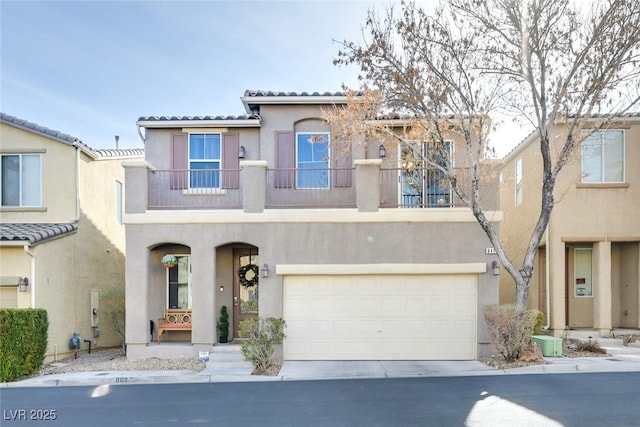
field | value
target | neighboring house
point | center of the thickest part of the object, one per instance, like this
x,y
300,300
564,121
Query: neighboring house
x,y
61,235
365,257
586,270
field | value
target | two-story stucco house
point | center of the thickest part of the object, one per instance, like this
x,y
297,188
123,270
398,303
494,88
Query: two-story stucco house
x,y
62,240
363,255
586,273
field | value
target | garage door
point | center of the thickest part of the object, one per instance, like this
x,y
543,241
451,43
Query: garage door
x,y
380,317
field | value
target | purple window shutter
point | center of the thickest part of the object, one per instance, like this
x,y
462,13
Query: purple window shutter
x,y
284,159
342,174
230,161
179,160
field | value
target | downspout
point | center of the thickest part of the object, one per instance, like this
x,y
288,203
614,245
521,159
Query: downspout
x,y
33,275
140,135
547,275
77,218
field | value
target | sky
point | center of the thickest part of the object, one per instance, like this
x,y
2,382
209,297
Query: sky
x,y
92,68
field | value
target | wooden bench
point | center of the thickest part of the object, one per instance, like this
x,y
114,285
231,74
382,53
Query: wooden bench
x,y
175,319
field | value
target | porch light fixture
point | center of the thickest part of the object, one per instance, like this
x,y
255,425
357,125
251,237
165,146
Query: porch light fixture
x,y
221,288
495,268
382,152
23,283
264,271
241,152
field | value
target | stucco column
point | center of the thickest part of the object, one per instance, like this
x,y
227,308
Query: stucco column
x,y
203,295
136,184
638,282
136,295
602,287
368,184
556,266
254,185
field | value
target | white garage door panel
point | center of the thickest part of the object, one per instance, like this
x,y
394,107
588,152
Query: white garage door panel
x,y
386,317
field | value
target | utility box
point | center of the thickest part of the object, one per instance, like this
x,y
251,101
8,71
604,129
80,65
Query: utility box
x,y
550,346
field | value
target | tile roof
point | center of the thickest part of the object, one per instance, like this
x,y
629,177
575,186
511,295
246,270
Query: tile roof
x,y
119,152
197,118
257,93
34,233
34,127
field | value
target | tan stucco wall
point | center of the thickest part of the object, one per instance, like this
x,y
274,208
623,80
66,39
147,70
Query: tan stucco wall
x,y
356,238
58,176
583,216
69,268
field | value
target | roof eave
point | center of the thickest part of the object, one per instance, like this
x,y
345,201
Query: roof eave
x,y
164,124
247,101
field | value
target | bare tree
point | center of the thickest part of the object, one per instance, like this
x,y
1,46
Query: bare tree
x,y
470,62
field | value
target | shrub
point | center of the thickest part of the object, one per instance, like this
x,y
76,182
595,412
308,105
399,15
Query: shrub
x,y
23,342
537,328
223,324
261,337
510,328
112,303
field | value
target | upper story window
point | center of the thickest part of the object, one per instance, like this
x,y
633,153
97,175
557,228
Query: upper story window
x,y
205,158
603,157
21,180
518,182
312,153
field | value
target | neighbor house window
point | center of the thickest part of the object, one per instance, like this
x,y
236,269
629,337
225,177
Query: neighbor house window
x,y
179,284
312,160
603,157
21,180
518,182
204,160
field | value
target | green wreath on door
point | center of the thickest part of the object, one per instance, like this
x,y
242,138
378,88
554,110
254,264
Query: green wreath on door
x,y
242,275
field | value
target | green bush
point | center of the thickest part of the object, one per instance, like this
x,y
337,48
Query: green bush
x,y
537,328
23,342
510,328
261,337
223,324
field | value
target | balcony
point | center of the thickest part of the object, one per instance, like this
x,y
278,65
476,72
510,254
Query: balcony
x,y
254,187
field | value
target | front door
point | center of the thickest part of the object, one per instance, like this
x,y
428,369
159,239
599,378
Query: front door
x,y
245,286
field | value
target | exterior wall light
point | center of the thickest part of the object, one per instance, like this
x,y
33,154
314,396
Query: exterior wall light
x,y
241,152
495,267
382,152
221,288
264,271
23,284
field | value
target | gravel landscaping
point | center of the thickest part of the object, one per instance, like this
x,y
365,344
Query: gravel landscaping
x,y
114,360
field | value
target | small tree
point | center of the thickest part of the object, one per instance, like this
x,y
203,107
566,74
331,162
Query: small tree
x,y
112,307
261,337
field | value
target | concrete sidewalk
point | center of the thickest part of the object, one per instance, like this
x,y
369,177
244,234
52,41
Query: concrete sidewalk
x,y
619,359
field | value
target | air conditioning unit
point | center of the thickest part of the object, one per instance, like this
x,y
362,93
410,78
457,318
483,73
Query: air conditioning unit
x,y
550,346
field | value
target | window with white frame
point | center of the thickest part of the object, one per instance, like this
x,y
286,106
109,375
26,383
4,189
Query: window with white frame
x,y
205,158
21,180
312,159
518,182
179,284
603,157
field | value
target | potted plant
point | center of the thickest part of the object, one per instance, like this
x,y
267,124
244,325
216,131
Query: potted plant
x,y
223,325
169,261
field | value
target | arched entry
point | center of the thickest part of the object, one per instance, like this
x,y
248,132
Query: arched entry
x,y
246,266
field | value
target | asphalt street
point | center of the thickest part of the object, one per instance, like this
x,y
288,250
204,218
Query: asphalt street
x,y
582,399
